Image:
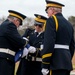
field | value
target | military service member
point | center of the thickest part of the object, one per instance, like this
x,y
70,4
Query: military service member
x,y
32,65
10,42
58,42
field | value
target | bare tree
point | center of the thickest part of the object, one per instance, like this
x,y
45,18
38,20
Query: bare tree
x,y
71,19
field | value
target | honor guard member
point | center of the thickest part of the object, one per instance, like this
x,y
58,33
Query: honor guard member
x,y
58,42
10,41
31,65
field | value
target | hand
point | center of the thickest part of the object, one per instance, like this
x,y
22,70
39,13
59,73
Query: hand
x,y
25,52
25,38
32,49
45,71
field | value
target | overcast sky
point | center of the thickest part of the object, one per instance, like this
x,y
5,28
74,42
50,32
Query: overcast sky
x,y
31,7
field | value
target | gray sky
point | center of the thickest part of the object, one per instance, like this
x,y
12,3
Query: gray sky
x,y
31,7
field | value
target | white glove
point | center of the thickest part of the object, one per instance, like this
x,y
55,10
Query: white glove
x,y
25,38
45,71
32,49
25,52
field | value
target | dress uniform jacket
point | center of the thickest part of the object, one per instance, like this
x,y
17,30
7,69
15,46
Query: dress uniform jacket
x,y
33,40
31,66
53,55
10,39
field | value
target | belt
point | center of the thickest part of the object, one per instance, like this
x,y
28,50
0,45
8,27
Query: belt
x,y
61,46
36,59
7,51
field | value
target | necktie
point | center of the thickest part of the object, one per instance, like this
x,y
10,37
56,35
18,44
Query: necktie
x,y
36,33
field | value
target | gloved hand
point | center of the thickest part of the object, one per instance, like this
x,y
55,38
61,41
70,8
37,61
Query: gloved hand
x,y
32,49
44,71
25,52
25,38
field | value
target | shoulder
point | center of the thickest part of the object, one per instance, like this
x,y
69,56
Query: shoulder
x,y
30,29
50,19
8,23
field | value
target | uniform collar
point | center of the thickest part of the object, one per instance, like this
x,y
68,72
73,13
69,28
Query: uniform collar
x,y
38,32
59,14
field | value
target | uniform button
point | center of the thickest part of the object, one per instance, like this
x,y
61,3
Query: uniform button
x,y
7,58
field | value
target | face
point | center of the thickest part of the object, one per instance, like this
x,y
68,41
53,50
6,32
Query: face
x,y
49,11
16,22
38,28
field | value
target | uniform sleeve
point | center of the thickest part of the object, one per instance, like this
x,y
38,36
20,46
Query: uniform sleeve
x,y
72,45
14,37
49,41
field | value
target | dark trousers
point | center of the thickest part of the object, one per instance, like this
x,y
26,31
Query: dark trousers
x,y
29,68
22,67
6,66
59,72
34,68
